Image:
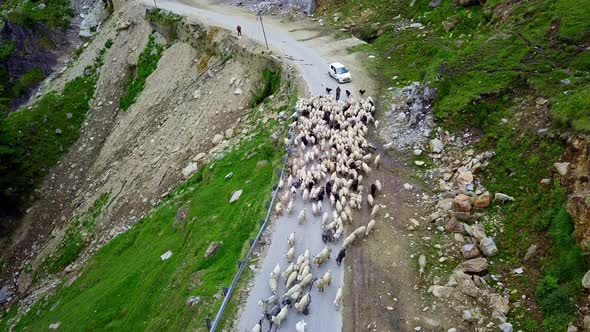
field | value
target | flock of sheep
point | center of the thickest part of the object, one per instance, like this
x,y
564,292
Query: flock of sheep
x,y
330,155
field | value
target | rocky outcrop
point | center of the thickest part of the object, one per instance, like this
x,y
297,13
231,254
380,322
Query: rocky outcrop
x,y
574,170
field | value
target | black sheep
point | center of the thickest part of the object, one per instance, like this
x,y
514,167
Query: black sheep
x,y
355,184
340,256
373,190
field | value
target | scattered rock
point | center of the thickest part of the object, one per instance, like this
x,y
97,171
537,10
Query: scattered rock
x,y
190,169
54,326
505,327
408,186
417,152
500,306
474,265
531,251
123,25
488,247
212,249
229,176
453,226
191,301
58,131
237,91
436,146
229,133
5,293
419,163
499,197
462,202
434,3
261,163
478,231
235,196
24,282
441,291
562,168
217,139
586,280
470,250
482,201
199,156
166,255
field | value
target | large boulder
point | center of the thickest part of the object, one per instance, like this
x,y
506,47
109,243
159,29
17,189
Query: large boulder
x,y
436,146
483,201
488,246
474,265
470,250
235,196
462,203
562,168
212,249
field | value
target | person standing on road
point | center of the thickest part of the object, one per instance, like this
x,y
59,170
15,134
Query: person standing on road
x,y
239,30
338,93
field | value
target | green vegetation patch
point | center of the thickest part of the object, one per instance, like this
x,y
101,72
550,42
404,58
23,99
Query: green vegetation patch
x,y
271,82
126,286
146,64
52,14
32,140
77,237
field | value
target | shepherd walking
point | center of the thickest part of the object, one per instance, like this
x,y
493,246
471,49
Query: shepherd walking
x,y
239,28
338,93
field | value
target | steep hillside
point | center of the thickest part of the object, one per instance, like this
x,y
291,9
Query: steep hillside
x,y
36,40
511,77
129,150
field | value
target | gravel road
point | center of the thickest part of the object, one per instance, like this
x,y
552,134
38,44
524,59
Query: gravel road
x,y
305,44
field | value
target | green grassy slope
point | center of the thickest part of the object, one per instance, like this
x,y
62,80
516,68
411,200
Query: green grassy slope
x,y
491,63
126,286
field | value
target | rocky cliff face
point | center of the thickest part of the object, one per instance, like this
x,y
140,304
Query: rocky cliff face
x,y
575,173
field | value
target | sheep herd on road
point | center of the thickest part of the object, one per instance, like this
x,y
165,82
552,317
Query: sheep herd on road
x,y
329,157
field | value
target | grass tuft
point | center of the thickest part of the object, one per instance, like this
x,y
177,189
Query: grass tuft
x,y
146,64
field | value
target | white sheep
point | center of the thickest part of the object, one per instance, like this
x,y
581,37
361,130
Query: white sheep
x,y
378,185
290,207
257,327
323,256
293,290
375,210
302,304
302,217
338,298
370,199
349,240
272,282
288,271
290,254
279,208
291,240
306,280
360,231
370,226
280,317
276,272
300,326
292,278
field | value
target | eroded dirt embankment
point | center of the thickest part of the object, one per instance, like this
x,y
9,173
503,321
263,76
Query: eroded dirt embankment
x,y
189,108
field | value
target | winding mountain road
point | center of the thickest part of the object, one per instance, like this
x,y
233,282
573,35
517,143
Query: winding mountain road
x,y
310,48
